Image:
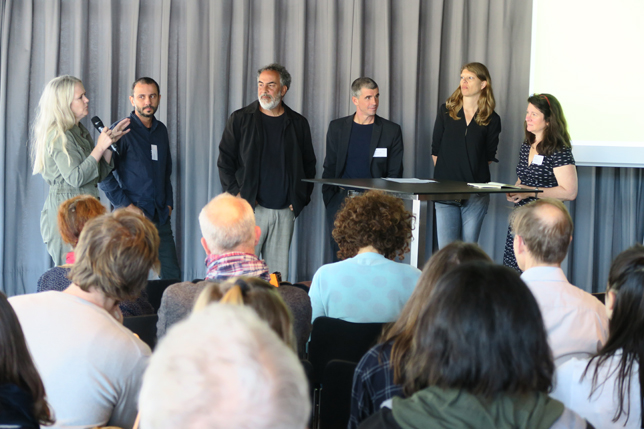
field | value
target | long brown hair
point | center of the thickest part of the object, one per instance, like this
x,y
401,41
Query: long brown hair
x,y
472,335
16,365
555,136
401,332
486,103
625,329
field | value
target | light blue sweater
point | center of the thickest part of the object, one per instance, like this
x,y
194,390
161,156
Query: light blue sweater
x,y
367,288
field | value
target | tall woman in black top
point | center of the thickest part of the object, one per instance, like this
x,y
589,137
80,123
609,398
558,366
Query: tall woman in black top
x,y
545,162
466,135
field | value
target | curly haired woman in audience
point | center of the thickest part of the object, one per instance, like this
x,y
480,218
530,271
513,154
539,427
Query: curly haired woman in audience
x,y
257,294
22,393
479,359
377,377
73,214
368,285
605,389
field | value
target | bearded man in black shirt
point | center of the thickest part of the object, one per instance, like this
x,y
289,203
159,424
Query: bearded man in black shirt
x,y
264,153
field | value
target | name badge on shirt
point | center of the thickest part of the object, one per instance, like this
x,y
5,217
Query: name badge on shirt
x,y
537,159
380,152
155,153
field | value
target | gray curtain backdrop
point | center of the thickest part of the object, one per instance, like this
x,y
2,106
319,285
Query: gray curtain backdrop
x,y
205,54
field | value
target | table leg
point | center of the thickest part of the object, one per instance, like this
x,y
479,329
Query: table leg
x,y
419,234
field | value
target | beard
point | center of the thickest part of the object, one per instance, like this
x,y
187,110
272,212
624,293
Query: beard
x,y
272,104
141,111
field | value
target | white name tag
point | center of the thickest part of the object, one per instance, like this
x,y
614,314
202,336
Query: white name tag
x,y
380,152
538,159
155,153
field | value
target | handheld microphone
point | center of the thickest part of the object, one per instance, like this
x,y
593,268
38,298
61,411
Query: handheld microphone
x,y
98,124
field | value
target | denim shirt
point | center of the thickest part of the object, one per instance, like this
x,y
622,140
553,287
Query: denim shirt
x,y
137,178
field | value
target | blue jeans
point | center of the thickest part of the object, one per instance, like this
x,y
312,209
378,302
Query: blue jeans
x,y
461,219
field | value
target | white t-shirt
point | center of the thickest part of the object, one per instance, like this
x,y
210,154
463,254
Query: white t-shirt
x,y
600,409
91,365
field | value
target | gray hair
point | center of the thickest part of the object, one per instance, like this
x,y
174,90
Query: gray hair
x,y
223,367
227,222
362,82
285,76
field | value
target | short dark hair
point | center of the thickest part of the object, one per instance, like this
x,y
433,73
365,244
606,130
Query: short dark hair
x,y
285,76
16,364
147,81
481,331
115,253
373,219
547,239
362,82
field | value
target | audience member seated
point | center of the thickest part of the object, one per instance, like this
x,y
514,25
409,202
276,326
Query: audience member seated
x,y
229,235
367,286
377,377
224,368
22,393
90,363
479,359
605,389
72,216
256,294
576,321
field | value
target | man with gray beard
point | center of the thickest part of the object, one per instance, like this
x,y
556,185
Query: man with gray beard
x,y
264,153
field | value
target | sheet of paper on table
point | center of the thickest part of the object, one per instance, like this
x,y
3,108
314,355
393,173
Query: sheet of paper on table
x,y
409,180
492,185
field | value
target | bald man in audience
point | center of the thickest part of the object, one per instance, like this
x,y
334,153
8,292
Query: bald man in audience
x,y
229,235
223,367
576,321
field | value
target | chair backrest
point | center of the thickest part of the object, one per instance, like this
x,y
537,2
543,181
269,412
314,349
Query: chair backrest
x,y
335,398
155,289
143,326
338,339
601,296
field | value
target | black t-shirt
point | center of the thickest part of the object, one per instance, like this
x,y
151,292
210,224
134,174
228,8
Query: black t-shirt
x,y
358,166
272,192
464,150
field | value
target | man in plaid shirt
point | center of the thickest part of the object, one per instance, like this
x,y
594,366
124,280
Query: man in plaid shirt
x,y
229,235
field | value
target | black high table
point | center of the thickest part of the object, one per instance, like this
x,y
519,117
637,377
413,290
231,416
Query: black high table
x,y
420,194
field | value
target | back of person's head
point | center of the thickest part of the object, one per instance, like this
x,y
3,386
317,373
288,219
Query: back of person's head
x,y
546,228
402,331
74,213
373,219
17,366
625,294
115,253
481,331
223,367
257,294
227,223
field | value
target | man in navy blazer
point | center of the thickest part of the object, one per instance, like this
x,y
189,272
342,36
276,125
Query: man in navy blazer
x,y
358,146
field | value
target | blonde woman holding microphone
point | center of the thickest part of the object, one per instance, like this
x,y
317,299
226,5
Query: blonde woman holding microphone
x,y
63,152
